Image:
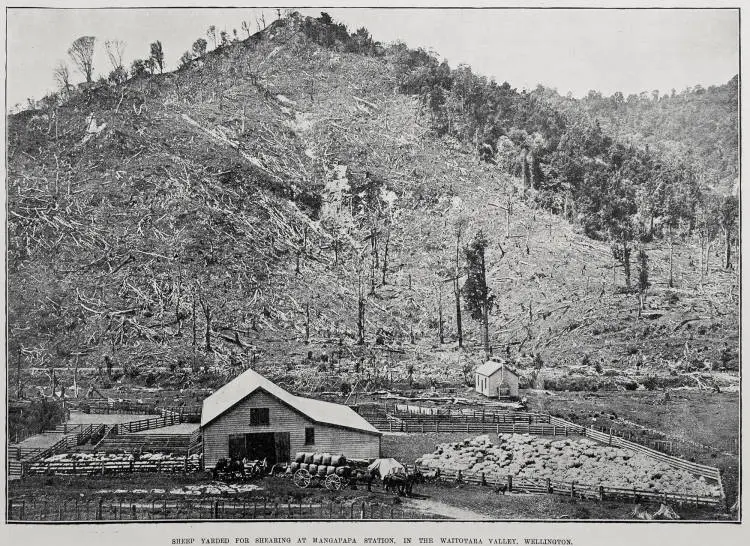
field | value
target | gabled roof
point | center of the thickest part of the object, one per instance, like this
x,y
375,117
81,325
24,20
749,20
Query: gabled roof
x,y
491,367
250,381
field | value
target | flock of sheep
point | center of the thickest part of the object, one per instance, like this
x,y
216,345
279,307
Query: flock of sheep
x,y
581,461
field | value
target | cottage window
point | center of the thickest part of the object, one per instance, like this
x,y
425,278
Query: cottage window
x,y
259,417
309,436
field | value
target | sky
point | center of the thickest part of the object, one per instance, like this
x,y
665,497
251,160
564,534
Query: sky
x,y
569,50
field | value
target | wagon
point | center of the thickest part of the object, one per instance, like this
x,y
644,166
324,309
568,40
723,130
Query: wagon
x,y
333,482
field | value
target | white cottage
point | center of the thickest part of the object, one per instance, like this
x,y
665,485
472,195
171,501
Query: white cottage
x,y
495,379
253,417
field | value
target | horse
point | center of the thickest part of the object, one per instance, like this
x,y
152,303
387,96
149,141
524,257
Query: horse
x,y
401,483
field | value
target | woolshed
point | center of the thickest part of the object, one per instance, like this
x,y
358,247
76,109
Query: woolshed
x,y
252,417
496,379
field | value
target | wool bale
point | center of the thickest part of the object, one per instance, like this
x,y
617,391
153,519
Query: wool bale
x,y
330,470
304,466
299,457
317,458
308,458
343,471
323,469
294,466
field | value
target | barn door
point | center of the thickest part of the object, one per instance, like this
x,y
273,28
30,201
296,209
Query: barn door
x,y
281,440
237,446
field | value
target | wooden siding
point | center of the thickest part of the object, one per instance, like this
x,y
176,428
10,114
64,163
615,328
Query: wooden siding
x,y
488,385
330,439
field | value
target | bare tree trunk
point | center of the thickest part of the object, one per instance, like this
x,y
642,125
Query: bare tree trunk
x,y
700,265
671,258
457,292
207,312
307,322
385,255
727,249
441,334
177,304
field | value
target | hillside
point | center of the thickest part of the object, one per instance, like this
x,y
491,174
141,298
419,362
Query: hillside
x,y
696,122
183,226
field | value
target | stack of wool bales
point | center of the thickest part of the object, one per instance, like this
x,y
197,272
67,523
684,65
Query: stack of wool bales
x,y
568,460
321,464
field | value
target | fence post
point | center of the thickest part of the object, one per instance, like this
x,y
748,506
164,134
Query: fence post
x,y
566,431
484,481
514,427
549,486
133,514
510,483
216,509
572,489
458,476
601,492
362,513
99,508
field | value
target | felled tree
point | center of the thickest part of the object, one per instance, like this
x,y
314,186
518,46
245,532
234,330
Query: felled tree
x,y
477,295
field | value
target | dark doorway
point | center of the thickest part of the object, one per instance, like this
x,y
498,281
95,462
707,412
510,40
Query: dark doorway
x,y
272,446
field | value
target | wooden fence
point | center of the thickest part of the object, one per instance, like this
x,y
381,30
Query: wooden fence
x,y
709,472
427,425
576,490
147,424
182,510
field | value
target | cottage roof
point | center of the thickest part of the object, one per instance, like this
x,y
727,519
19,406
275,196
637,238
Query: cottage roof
x,y
316,410
491,367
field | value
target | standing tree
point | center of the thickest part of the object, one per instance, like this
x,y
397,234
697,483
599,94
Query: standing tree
x,y
138,68
115,52
707,227
727,220
157,55
211,33
82,54
478,296
246,27
62,76
185,59
643,283
199,47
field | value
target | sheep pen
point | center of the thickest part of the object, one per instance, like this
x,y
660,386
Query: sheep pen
x,y
580,461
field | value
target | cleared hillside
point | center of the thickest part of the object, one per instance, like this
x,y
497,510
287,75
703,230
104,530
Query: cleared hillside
x,y
245,193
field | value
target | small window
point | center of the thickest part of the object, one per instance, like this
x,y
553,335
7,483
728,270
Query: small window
x,y
259,417
309,436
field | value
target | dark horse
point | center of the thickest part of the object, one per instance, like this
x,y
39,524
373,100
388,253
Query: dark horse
x,y
403,484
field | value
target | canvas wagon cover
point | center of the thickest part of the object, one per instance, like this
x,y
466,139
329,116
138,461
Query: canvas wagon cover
x,y
386,467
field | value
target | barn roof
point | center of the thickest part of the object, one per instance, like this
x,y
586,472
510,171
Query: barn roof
x,y
491,367
250,381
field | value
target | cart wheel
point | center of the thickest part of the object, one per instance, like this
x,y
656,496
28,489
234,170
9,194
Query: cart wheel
x,y
302,478
333,482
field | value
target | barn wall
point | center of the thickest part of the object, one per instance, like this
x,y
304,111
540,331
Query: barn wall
x,y
330,439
